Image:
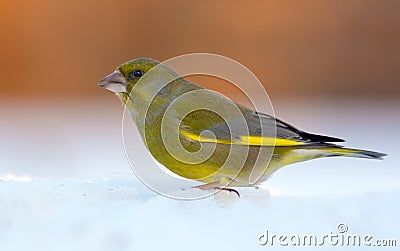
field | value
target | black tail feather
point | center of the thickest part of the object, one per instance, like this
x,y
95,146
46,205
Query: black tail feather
x,y
319,138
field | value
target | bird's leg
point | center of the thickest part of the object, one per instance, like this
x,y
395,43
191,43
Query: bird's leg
x,y
207,186
216,186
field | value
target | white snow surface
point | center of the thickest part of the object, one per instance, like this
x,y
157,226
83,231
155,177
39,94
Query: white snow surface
x,y
120,213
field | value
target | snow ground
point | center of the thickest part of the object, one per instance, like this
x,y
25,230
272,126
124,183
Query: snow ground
x,y
119,213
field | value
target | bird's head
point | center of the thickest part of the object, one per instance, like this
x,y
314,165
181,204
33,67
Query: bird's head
x,y
127,75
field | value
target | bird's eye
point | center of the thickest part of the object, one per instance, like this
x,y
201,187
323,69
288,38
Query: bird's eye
x,y
136,74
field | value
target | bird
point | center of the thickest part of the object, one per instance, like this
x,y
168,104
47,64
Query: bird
x,y
201,135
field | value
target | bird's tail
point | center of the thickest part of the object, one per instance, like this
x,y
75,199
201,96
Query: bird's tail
x,y
348,152
321,150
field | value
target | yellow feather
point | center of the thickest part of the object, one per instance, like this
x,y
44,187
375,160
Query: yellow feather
x,y
244,140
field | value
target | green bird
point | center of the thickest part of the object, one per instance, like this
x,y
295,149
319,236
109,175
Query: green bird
x,y
201,135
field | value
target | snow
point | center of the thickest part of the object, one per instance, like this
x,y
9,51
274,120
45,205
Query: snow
x,y
120,213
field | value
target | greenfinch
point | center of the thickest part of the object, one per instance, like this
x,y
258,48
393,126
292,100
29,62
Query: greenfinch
x,y
201,135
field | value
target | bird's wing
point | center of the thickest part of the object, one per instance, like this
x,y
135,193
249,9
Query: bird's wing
x,y
259,132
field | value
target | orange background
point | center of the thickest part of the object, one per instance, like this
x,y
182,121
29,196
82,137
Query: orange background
x,y
60,47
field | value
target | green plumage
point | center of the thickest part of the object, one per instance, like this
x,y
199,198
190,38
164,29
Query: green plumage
x,y
194,131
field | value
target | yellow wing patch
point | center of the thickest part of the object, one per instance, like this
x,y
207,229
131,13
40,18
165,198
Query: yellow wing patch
x,y
244,140
265,141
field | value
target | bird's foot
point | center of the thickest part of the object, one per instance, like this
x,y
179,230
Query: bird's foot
x,y
216,186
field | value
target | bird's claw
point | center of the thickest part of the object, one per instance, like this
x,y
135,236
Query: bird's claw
x,y
229,190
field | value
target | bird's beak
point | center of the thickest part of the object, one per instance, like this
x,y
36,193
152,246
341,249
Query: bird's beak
x,y
114,82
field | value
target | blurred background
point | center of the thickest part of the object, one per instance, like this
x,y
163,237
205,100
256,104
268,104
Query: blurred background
x,y
61,48
323,63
